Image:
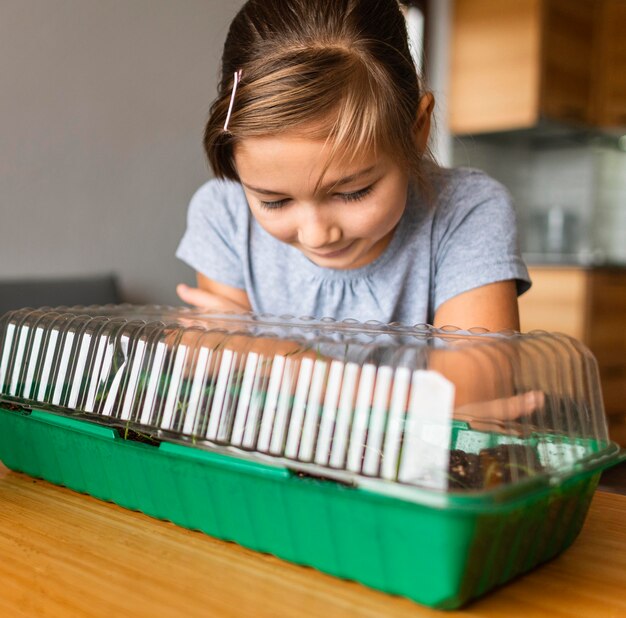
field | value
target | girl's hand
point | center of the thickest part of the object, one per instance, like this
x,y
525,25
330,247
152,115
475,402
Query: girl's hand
x,y
506,409
490,415
207,300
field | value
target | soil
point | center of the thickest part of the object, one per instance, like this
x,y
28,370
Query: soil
x,y
492,467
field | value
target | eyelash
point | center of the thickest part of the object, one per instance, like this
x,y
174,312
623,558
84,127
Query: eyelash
x,y
355,196
273,205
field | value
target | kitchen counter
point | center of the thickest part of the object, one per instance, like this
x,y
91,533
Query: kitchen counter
x,y
541,260
66,554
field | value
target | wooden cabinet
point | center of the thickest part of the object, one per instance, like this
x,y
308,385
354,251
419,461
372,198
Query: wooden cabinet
x,y
609,101
515,62
589,304
556,302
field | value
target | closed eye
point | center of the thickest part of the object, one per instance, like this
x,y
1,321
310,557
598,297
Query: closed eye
x,y
352,196
271,205
355,196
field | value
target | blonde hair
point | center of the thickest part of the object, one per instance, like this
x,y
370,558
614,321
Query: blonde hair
x,y
339,70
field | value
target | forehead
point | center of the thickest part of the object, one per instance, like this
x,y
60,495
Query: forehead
x,y
296,159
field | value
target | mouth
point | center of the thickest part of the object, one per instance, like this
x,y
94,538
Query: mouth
x,y
332,254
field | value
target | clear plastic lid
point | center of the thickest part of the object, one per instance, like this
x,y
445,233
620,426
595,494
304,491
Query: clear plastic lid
x,y
370,404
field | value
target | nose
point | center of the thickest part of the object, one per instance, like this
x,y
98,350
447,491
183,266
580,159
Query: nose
x,y
318,229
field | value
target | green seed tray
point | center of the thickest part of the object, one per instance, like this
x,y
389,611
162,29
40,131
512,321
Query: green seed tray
x,y
435,548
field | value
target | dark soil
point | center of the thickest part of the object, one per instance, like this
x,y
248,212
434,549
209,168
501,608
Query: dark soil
x,y
491,467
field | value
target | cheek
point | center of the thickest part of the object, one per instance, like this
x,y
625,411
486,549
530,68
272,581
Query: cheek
x,y
392,212
277,224
381,218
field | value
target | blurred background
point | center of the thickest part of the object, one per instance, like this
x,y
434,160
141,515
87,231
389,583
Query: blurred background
x,y
102,109
103,103
534,93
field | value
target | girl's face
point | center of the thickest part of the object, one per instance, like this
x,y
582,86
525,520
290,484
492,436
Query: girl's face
x,y
347,222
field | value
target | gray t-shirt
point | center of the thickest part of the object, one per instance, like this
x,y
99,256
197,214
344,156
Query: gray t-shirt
x,y
463,237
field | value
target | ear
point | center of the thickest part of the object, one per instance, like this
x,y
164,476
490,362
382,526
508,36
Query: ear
x,y
422,121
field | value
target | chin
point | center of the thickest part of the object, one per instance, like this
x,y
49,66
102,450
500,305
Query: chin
x,y
339,263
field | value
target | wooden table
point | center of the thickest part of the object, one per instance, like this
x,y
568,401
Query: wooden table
x,y
65,554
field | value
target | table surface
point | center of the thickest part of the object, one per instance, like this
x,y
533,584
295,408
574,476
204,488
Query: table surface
x,y
66,554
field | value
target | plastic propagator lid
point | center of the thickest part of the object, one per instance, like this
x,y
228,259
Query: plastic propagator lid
x,y
376,405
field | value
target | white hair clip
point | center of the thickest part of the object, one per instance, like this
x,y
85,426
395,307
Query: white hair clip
x,y
236,80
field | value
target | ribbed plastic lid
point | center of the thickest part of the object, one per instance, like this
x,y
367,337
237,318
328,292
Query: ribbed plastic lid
x,y
365,403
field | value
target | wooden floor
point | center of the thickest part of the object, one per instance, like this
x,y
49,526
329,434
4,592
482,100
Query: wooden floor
x,y
614,479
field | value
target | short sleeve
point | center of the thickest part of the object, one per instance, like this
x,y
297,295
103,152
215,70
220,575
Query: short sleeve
x,y
475,238
214,240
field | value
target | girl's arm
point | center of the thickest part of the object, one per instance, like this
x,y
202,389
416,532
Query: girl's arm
x,y
492,306
214,296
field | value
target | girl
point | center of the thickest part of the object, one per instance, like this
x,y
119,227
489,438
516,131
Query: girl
x,y
325,201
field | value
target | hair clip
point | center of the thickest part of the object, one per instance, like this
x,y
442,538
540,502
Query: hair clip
x,y
236,80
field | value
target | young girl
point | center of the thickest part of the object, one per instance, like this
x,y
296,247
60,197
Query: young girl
x,y
325,201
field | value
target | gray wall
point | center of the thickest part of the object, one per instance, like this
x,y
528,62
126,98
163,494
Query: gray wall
x,y
102,107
